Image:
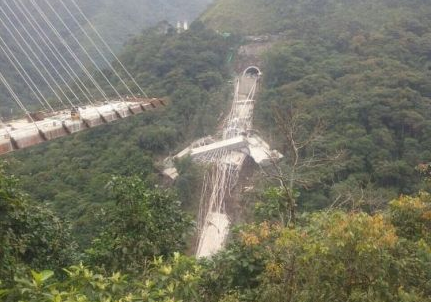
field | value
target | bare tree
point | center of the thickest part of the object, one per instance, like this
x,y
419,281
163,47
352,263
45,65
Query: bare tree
x,y
302,138
359,195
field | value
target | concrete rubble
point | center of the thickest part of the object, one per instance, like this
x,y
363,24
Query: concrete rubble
x,y
216,230
226,156
248,145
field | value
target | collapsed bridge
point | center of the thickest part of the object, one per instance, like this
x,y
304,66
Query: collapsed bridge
x,y
226,155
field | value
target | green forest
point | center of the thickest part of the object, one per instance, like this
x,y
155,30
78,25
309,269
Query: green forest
x,y
345,216
366,78
328,255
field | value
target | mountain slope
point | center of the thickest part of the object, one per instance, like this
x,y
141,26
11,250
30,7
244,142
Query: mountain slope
x,y
274,16
363,69
242,17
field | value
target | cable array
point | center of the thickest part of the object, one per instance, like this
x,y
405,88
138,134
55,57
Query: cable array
x,y
44,46
23,74
54,50
220,180
109,49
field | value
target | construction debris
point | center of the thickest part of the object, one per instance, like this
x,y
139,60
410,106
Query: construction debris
x,y
172,173
227,157
241,147
215,232
261,152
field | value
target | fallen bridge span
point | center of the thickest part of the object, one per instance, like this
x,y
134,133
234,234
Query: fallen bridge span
x,y
226,155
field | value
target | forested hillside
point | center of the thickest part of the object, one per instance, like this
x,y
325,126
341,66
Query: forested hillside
x,y
361,68
318,18
345,216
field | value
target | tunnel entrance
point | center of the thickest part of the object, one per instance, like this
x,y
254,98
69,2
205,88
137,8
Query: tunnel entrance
x,y
252,71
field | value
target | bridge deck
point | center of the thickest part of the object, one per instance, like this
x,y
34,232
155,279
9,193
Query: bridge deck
x,y
22,133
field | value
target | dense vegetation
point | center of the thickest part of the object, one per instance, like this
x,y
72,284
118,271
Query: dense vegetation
x,y
303,17
325,256
30,233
